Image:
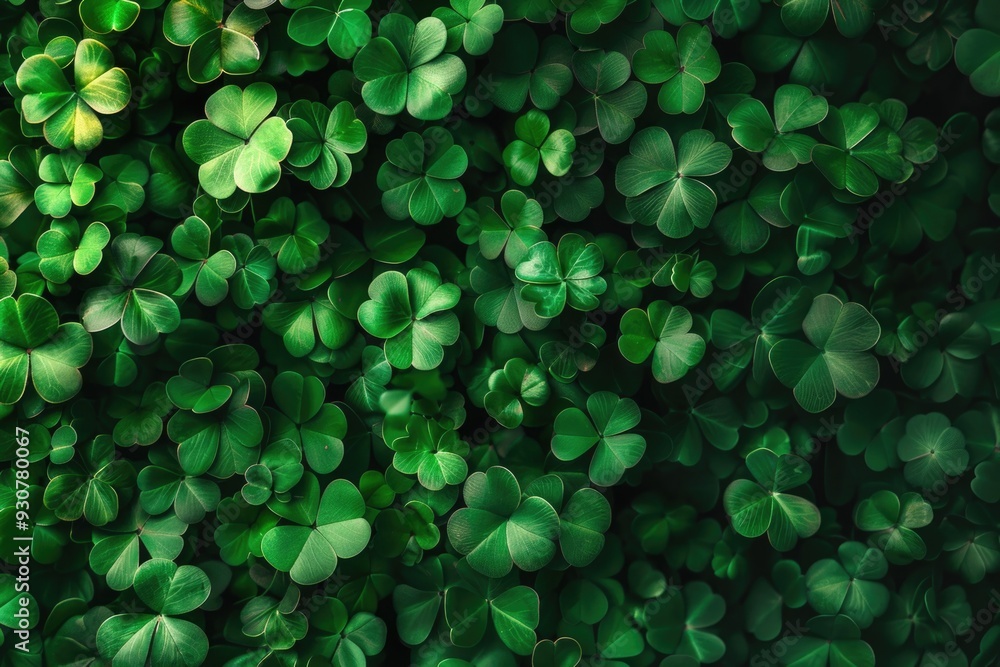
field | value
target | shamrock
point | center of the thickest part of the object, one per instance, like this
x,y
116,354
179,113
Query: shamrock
x,y
277,621
613,102
411,313
831,640
68,181
765,507
836,361
310,325
206,271
498,529
682,627
343,24
660,185
663,331
65,252
293,233
474,602
521,68
535,144
783,148
304,418
933,450
950,364
253,281
804,17
435,454
322,139
238,146
419,179
69,114
471,24
893,519
683,67
137,295
90,485
334,527
164,485
223,442
279,470
861,150
559,275
348,640
406,67
513,229
850,585
608,425
35,345
217,47
514,390
169,591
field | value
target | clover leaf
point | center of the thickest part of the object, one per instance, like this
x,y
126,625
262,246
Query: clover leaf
x,y
765,507
69,114
663,331
893,519
536,144
309,553
217,47
238,146
419,178
471,24
607,426
405,67
861,150
343,24
498,530
683,67
835,360
783,148
559,275
614,101
661,186
322,139
411,313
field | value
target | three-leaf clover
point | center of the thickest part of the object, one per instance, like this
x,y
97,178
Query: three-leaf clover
x,y
217,47
559,275
471,24
534,145
893,519
764,506
336,528
783,148
168,590
141,280
661,186
498,530
69,113
419,179
322,139
683,67
436,455
343,24
608,426
237,145
663,331
861,150
412,314
405,67
835,359
613,102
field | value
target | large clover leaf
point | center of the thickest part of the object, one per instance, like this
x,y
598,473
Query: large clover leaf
x,y
836,360
238,145
411,313
339,530
559,275
764,507
608,425
216,46
405,67
419,180
662,187
683,67
795,108
34,345
498,530
69,113
664,331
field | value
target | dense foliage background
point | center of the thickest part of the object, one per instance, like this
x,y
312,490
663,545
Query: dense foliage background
x,y
610,333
